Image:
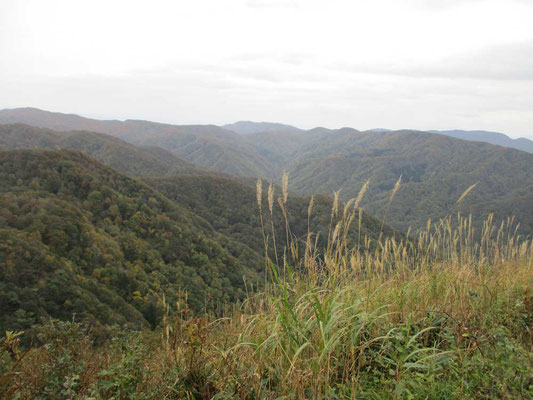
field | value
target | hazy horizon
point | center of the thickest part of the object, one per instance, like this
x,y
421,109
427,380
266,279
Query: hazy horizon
x,y
106,118
408,64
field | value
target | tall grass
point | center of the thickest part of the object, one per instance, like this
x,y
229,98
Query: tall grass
x,y
446,313
401,313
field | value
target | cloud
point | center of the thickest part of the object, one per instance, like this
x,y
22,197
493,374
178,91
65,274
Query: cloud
x,y
512,62
272,3
443,4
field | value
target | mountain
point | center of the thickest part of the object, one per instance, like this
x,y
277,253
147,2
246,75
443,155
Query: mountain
x,y
122,156
230,206
499,139
189,186
205,145
79,238
379,130
248,127
54,120
435,169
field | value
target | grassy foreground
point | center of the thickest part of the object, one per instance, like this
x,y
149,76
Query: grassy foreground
x,y
447,314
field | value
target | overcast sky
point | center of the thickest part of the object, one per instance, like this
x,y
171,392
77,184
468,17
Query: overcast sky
x,y
421,64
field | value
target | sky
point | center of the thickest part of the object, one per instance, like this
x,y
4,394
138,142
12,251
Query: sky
x,y
418,64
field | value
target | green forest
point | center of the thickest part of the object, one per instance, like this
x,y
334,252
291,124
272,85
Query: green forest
x,y
80,239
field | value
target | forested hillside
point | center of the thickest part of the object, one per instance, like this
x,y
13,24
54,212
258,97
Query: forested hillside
x,y
204,145
435,169
231,208
490,137
79,238
207,193
122,156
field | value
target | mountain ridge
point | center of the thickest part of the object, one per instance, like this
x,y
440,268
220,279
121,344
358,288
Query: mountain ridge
x,y
436,169
496,138
220,149
250,127
123,156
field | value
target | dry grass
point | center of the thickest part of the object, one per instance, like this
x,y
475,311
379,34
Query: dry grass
x,y
445,314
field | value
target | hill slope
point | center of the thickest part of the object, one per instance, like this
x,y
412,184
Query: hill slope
x,y
78,237
230,206
205,145
436,169
122,156
203,192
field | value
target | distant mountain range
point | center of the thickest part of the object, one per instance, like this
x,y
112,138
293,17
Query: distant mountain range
x,y
122,156
500,139
205,145
247,127
435,168
496,138
491,137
